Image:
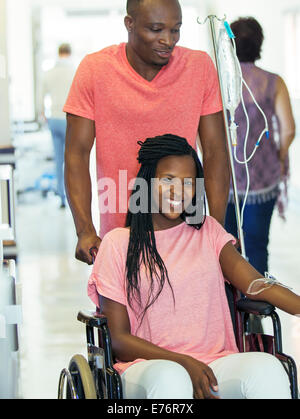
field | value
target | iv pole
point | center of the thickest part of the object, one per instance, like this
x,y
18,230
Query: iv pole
x,y
227,132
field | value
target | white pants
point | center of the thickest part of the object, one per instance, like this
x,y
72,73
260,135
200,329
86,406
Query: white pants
x,y
251,375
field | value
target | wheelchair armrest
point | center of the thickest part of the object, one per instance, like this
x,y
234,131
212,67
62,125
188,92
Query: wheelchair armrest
x,y
91,318
261,308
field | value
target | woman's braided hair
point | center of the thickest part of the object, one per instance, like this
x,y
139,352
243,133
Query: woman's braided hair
x,y
142,249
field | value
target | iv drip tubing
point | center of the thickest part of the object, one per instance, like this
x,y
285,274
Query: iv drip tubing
x,y
265,131
228,137
246,160
231,131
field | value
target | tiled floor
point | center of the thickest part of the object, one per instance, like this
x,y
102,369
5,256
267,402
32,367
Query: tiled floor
x,y
53,290
54,287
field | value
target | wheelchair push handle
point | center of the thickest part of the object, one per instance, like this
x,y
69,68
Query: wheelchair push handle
x,y
93,252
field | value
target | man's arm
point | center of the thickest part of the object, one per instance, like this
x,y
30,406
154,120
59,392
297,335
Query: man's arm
x,y
215,163
80,138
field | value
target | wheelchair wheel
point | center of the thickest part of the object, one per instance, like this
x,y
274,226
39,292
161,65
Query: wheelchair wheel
x,y
82,378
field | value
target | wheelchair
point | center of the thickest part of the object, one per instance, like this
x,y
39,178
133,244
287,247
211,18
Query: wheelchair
x,y
96,378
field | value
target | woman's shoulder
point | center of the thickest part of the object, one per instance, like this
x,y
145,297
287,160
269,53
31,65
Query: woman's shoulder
x,y
115,241
211,222
267,74
213,229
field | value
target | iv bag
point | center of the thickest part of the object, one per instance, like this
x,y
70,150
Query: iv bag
x,y
229,74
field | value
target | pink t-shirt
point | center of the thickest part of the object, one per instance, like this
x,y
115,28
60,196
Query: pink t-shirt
x,y
127,108
199,324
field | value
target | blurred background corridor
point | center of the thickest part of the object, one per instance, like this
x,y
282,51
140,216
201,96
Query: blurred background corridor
x,y
51,283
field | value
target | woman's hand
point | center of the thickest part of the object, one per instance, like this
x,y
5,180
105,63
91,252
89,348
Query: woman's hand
x,y
203,378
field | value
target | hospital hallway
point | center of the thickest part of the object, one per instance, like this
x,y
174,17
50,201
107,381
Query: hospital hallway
x,y
45,69
52,284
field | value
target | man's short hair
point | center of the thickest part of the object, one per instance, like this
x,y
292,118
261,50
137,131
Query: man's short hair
x,y
64,49
132,6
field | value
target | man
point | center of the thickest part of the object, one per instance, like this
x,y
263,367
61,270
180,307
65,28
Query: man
x,y
141,89
56,84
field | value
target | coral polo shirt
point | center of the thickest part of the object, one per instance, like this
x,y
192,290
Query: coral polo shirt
x,y
127,108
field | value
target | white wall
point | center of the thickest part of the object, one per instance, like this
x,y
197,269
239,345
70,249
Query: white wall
x,y
270,14
4,80
20,49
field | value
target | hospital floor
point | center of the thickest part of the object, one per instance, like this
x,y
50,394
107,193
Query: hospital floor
x,y
53,286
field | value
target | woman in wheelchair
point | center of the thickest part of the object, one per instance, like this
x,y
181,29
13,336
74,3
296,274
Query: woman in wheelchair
x,y
160,283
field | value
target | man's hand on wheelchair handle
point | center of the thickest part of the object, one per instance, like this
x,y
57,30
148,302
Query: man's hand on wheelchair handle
x,y
87,242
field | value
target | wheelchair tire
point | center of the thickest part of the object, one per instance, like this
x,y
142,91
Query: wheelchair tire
x,y
82,377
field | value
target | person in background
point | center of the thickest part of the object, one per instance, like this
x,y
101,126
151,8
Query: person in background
x,y
56,84
129,91
268,169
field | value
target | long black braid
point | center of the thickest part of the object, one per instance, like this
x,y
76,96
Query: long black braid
x,y
142,249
